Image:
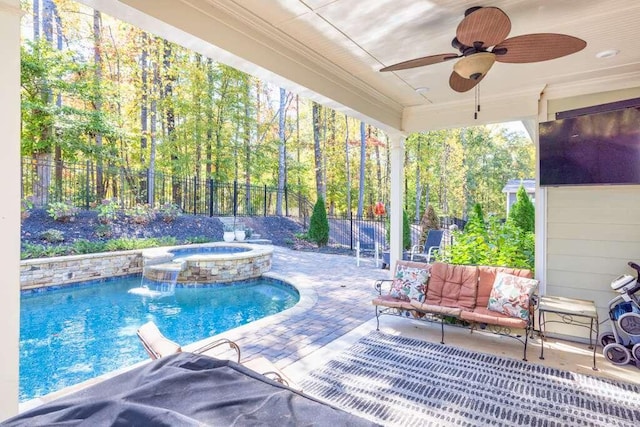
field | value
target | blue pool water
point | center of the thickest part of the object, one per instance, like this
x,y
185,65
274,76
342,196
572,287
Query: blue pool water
x,y
75,333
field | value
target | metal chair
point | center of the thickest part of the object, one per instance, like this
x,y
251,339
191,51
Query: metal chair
x,y
427,251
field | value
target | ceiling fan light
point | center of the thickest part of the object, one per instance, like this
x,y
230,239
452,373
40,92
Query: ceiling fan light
x,y
474,66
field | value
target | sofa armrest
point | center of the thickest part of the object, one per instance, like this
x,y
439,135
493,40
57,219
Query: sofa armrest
x,y
379,284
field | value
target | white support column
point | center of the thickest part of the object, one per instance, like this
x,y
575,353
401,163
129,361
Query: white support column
x,y
397,178
10,15
541,200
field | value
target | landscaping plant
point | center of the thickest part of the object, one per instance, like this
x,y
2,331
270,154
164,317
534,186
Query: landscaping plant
x,y
523,213
491,242
429,221
406,230
62,211
108,210
319,225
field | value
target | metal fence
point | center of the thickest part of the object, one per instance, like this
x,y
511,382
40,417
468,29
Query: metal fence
x,y
347,231
84,185
45,182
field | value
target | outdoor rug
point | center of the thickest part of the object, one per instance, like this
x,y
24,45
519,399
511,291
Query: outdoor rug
x,y
400,381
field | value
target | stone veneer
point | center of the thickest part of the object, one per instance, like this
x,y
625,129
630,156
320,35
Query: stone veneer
x,y
43,272
212,267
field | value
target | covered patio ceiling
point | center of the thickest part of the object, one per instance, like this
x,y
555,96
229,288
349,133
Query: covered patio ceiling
x,y
332,50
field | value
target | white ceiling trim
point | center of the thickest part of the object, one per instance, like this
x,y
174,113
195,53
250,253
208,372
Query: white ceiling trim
x,y
601,84
496,109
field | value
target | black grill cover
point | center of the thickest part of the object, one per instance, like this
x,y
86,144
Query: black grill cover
x,y
187,390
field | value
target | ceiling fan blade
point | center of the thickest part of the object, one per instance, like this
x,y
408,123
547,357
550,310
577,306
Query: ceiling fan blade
x,y
420,62
487,25
460,84
537,47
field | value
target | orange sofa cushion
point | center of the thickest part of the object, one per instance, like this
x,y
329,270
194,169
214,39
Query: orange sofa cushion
x,y
484,315
488,277
391,302
452,286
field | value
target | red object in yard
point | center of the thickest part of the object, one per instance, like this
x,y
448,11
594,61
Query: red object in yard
x,y
379,209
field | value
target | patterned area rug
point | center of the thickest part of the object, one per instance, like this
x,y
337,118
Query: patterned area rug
x,y
399,381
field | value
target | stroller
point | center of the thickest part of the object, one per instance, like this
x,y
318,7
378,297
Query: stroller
x,y
622,344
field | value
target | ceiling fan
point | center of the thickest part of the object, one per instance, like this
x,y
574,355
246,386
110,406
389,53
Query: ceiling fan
x,y
481,38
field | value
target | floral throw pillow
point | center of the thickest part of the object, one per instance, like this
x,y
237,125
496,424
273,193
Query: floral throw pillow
x,y
511,294
409,283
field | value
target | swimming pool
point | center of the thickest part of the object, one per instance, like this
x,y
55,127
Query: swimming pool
x,y
75,333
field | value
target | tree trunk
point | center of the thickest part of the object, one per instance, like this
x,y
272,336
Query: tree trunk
x,y
151,174
36,20
58,163
347,165
97,59
281,151
176,189
197,103
363,158
247,143
320,184
144,110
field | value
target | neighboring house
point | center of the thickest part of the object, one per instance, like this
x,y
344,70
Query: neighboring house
x,y
511,189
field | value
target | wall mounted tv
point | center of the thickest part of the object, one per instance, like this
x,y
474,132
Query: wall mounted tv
x,y
592,149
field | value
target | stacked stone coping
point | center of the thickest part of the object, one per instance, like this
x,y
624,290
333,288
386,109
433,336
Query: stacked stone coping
x,y
208,268
66,270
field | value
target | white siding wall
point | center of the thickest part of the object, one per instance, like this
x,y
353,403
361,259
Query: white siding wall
x,y
591,234
591,231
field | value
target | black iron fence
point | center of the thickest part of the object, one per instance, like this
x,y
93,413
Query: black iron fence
x,y
84,185
347,231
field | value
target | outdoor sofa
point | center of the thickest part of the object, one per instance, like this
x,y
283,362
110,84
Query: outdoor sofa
x,y
499,299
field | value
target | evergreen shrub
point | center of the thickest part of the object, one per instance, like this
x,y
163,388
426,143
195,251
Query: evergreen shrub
x,y
319,225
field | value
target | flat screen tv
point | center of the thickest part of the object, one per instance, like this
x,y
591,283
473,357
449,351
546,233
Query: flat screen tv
x,y
593,149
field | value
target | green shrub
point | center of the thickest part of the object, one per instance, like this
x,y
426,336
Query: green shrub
x,y
25,208
406,230
197,239
494,243
104,230
140,214
129,243
62,211
169,212
83,246
108,210
319,225
52,236
30,251
522,213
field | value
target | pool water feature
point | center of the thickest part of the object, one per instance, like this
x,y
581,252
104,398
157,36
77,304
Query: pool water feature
x,y
211,263
75,333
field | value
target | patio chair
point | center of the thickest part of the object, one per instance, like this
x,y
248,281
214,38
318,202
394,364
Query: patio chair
x,y
431,245
367,242
157,345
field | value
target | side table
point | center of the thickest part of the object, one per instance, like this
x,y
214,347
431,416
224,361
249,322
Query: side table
x,y
571,311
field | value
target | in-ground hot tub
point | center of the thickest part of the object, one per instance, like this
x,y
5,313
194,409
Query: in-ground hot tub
x,y
210,263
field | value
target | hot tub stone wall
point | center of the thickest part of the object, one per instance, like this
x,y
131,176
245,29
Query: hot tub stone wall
x,y
217,271
43,272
